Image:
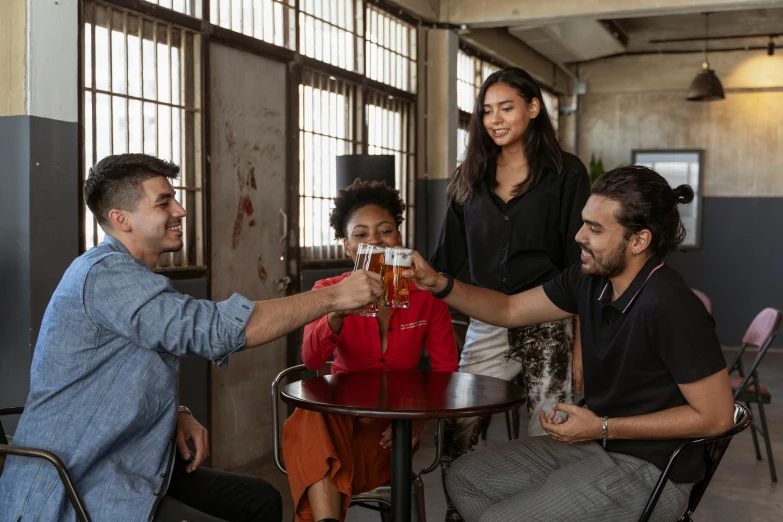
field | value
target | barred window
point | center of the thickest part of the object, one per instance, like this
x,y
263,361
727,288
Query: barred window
x,y
330,31
552,103
273,21
391,50
390,130
187,7
326,130
471,73
462,139
141,94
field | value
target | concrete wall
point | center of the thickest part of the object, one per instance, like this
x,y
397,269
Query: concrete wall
x,y
637,102
248,190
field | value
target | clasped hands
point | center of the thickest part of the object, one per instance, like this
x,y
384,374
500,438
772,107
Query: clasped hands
x,y
578,425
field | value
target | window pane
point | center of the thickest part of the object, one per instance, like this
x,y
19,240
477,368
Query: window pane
x,y
144,99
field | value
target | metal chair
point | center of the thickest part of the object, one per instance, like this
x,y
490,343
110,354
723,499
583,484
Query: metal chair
x,y
746,386
714,449
6,449
380,495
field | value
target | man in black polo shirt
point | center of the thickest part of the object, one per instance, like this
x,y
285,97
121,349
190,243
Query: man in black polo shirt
x,y
654,372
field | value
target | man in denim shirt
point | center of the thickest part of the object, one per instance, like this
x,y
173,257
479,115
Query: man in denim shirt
x,y
104,377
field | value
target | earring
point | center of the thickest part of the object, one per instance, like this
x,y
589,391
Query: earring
x,y
634,253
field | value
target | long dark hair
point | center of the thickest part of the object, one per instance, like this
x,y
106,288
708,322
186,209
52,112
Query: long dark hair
x,y
540,139
647,201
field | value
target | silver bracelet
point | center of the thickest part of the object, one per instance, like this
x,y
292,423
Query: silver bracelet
x,y
605,429
184,409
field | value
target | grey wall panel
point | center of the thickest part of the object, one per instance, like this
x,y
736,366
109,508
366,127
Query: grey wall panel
x,y
433,202
15,343
740,264
54,203
194,371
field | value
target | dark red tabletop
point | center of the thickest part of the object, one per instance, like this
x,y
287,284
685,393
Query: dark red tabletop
x,y
404,395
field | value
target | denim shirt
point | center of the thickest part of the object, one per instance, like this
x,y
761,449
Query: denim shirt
x,y
104,387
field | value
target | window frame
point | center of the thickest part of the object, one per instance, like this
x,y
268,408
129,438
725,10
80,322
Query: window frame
x,y
200,23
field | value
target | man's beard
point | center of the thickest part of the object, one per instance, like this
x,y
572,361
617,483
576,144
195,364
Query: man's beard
x,y
611,265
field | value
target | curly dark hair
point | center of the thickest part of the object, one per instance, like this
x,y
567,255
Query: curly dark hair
x,y
647,201
360,194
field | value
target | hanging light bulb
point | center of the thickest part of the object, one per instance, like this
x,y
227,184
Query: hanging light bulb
x,y
706,86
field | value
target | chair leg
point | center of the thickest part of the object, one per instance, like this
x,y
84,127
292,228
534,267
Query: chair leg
x,y
515,421
418,514
486,420
509,431
767,443
753,434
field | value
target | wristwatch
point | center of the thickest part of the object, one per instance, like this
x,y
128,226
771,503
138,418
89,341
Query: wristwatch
x,y
184,409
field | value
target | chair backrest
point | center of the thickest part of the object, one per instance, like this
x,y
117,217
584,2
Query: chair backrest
x,y
704,299
714,449
713,453
764,327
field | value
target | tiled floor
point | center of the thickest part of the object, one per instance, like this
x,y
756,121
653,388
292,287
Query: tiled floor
x,y
740,491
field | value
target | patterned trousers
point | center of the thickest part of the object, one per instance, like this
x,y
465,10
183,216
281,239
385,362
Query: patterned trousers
x,y
540,354
542,480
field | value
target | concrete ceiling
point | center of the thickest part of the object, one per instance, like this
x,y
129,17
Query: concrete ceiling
x,y
587,39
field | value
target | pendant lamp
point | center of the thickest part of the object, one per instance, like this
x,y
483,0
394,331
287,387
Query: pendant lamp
x,y
706,86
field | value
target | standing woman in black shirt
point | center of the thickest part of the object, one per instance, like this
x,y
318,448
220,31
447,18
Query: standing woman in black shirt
x,y
515,207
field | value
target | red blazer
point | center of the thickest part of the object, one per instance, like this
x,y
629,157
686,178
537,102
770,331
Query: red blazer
x,y
425,323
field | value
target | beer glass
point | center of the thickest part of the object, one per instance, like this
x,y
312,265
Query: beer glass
x,y
370,258
396,287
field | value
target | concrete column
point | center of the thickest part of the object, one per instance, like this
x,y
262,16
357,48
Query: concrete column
x,y
438,129
39,195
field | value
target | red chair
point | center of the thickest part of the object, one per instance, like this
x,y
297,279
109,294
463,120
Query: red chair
x,y
746,386
704,299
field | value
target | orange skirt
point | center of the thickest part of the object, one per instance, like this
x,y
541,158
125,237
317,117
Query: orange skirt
x,y
347,448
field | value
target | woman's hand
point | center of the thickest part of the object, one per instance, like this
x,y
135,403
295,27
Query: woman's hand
x,y
423,275
416,429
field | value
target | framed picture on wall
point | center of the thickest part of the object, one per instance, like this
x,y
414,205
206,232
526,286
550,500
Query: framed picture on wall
x,y
679,167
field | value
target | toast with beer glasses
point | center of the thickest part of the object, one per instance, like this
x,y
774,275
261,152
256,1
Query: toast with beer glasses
x,y
389,263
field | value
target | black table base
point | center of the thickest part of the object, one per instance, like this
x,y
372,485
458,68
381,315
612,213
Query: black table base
x,y
402,437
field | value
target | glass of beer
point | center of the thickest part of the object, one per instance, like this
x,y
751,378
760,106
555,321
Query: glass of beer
x,y
395,287
370,258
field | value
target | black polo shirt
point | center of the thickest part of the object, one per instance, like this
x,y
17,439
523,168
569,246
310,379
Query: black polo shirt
x,y
637,349
512,247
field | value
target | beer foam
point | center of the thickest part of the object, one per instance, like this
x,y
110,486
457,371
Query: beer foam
x,y
401,259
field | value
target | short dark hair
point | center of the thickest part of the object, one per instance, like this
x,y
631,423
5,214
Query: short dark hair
x,y
647,201
360,194
115,182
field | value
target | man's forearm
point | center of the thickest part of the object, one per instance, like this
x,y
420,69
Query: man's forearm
x,y
277,317
682,422
485,305
508,311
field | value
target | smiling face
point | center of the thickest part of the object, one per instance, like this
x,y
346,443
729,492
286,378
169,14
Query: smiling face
x,y
370,224
605,247
507,115
157,220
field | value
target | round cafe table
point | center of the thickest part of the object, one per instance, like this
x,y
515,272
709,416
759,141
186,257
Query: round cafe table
x,y
401,397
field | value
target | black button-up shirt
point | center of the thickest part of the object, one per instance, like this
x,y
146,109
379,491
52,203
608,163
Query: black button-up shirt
x,y
515,246
638,348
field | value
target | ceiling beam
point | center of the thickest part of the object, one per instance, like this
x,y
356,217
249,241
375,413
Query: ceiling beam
x,y
505,13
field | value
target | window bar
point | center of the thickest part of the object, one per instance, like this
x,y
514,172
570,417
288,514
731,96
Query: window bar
x,y
157,94
141,79
110,13
321,150
125,42
187,67
94,112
